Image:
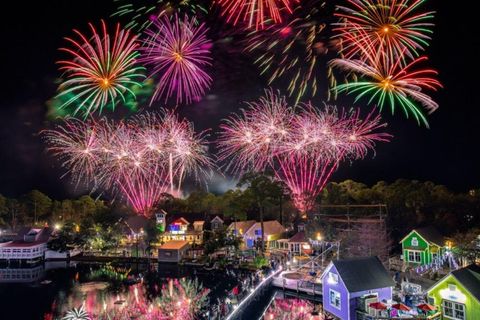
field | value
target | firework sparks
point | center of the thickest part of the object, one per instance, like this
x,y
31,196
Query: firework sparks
x,y
393,25
102,70
297,50
178,51
255,13
303,147
140,158
141,13
390,82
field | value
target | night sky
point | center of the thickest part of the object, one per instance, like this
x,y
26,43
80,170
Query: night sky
x,y
31,33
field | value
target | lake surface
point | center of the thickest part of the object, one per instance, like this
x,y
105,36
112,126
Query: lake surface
x,y
47,291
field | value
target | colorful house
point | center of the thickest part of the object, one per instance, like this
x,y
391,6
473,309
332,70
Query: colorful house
x,y
251,231
422,246
349,287
181,229
457,295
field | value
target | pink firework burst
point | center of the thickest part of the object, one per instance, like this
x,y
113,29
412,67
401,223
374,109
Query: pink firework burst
x,y
178,52
139,159
255,13
302,146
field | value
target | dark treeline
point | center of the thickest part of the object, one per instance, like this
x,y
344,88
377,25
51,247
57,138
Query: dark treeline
x,y
410,204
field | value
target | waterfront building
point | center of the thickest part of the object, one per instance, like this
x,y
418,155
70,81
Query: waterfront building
x,y
349,286
30,244
251,232
173,251
423,246
457,295
186,228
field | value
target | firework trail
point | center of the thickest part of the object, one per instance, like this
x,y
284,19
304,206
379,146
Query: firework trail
x,y
141,13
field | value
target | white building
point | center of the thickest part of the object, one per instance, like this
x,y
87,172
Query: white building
x,y
30,244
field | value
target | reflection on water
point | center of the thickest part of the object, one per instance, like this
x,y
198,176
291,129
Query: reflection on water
x,y
49,291
290,309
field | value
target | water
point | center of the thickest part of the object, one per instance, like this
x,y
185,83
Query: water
x,y
47,291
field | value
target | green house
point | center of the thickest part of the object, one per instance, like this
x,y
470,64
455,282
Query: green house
x,y
457,295
422,246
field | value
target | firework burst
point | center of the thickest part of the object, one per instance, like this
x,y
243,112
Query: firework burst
x,y
178,52
102,70
255,13
395,26
140,158
390,82
302,146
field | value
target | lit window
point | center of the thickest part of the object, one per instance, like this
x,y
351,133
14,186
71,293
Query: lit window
x,y
335,299
414,256
453,310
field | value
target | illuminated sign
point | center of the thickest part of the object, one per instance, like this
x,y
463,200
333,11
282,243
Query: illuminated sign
x,y
414,242
453,294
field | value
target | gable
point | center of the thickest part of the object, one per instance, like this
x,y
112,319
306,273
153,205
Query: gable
x,y
441,288
414,241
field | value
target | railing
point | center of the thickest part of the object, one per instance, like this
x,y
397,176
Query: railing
x,y
257,289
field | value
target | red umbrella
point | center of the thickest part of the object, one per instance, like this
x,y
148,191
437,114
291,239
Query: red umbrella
x,y
401,307
378,306
426,307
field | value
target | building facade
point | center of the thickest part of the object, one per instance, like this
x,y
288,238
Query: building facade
x,y
251,232
457,295
347,293
423,246
29,244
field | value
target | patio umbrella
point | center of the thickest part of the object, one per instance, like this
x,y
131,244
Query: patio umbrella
x,y
378,306
401,307
426,307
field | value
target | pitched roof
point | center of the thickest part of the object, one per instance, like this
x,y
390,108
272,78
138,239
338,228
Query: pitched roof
x,y
243,225
431,235
217,218
38,236
360,274
298,237
270,227
469,277
174,245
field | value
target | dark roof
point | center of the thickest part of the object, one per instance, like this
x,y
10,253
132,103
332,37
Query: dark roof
x,y
431,235
298,237
469,277
360,274
39,235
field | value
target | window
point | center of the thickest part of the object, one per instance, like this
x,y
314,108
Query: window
x,y
414,256
332,278
334,299
258,232
453,310
414,242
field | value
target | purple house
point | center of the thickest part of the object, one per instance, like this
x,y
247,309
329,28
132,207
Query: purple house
x,y
350,285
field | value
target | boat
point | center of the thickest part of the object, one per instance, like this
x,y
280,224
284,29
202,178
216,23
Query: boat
x,y
46,282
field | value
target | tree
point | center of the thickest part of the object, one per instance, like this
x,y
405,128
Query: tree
x,y
264,189
467,246
39,204
85,206
16,213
